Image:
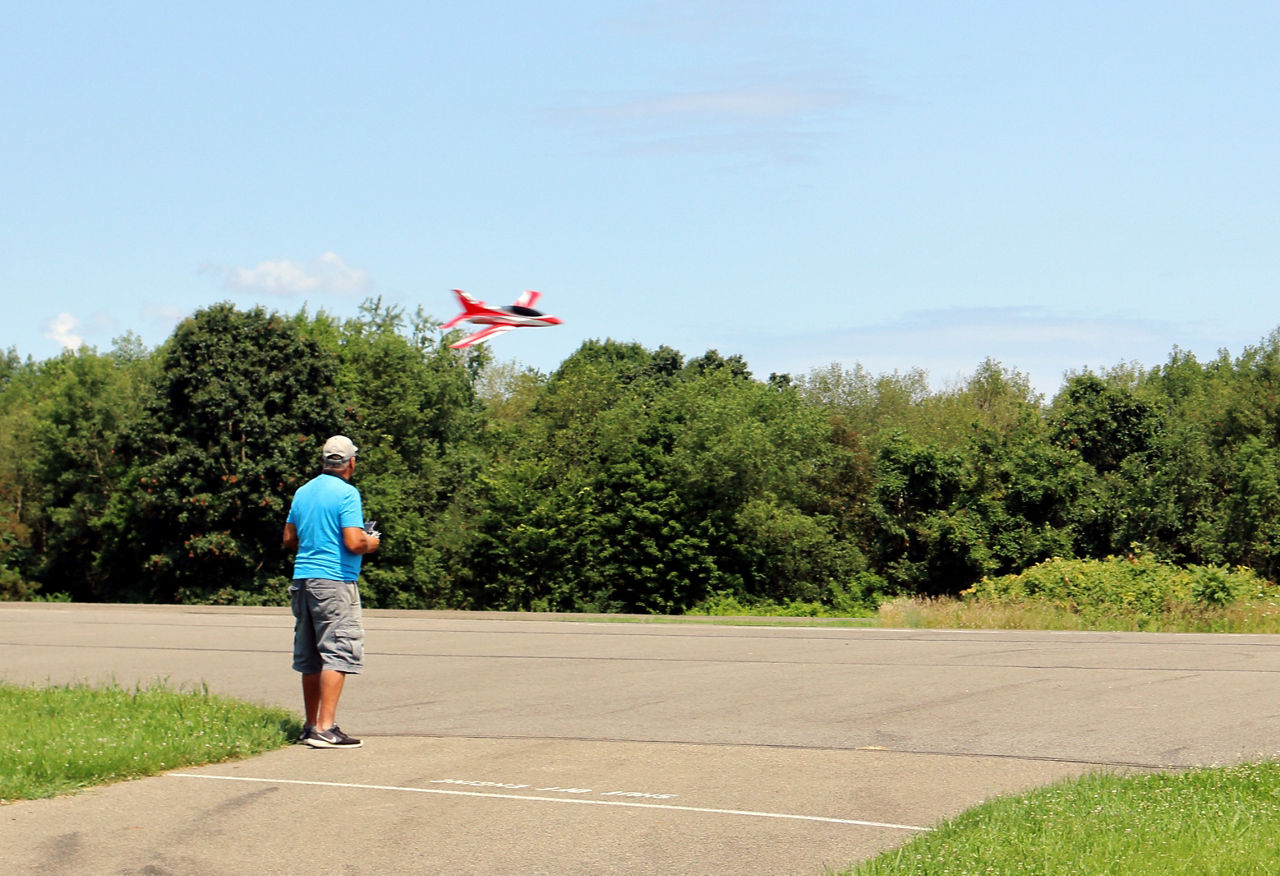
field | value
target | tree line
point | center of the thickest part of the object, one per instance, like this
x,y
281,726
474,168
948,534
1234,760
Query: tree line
x,y
628,480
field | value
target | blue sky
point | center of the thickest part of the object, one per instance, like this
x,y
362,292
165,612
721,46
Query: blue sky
x,y
901,185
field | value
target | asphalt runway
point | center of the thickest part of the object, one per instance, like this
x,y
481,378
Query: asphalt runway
x,y
536,744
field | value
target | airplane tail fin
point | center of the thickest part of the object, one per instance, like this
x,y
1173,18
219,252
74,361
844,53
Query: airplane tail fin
x,y
469,306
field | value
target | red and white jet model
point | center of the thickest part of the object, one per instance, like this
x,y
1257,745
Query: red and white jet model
x,y
498,319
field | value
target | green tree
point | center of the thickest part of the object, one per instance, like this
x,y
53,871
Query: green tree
x,y
641,483
1102,422
1249,518
240,405
922,541
409,404
18,486
63,419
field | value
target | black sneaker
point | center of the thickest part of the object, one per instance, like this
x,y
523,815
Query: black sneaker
x,y
332,738
306,732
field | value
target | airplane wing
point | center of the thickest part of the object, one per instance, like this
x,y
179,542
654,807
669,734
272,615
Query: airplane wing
x,y
483,335
528,299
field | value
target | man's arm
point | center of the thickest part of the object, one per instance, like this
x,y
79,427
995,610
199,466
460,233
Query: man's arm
x,y
358,541
290,537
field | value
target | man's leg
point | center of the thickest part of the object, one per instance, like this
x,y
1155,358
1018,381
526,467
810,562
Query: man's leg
x,y
329,684
311,696
339,644
306,659
320,693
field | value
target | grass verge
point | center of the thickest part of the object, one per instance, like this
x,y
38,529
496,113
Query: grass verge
x,y
1251,616
1133,593
59,739
1206,821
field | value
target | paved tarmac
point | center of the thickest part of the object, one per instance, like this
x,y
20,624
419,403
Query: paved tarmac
x,y
526,744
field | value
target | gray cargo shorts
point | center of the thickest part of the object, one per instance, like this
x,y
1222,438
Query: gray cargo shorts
x,y
328,629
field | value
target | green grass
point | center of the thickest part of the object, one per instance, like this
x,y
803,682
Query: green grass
x,y
1243,616
56,740
722,620
1135,593
1206,821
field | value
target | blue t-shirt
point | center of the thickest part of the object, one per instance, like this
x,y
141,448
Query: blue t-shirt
x,y
321,509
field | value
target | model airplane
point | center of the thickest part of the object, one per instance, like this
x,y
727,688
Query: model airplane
x,y
497,319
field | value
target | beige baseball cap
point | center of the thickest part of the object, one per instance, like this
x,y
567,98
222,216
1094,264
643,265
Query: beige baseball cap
x,y
339,449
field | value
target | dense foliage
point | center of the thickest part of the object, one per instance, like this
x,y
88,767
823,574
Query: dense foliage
x,y
627,480
1135,582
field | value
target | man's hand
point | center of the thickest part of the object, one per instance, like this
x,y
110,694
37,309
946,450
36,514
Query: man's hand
x,y
290,537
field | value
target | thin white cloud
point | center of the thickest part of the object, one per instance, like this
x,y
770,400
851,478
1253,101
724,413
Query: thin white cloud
x,y
719,107
782,118
62,329
287,278
163,316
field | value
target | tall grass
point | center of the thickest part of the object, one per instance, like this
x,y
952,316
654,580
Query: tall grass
x,y
1131,593
1210,821
58,739
1039,614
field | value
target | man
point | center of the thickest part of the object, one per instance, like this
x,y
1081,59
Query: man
x,y
326,527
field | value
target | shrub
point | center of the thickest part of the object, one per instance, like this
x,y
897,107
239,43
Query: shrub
x,y
1136,582
1216,585
13,587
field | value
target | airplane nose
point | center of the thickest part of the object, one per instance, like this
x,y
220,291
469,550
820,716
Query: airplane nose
x,y
553,320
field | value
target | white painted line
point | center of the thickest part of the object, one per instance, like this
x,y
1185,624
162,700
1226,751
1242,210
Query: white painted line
x,y
581,802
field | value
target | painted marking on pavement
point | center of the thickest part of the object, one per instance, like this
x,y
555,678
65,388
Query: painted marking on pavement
x,y
577,800
510,786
